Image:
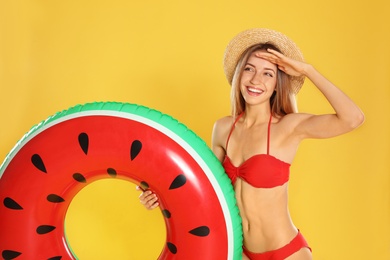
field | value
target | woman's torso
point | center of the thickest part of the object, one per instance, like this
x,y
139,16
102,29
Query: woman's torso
x,y
260,181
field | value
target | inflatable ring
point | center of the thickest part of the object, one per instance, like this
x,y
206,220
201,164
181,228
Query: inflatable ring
x,y
61,155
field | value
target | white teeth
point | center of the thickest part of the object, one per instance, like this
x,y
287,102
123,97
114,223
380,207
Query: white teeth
x,y
255,90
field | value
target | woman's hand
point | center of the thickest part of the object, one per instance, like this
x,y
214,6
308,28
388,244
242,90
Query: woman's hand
x,y
148,199
284,63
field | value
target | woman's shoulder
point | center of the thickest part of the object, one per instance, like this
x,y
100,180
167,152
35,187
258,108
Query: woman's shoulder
x,y
222,127
223,123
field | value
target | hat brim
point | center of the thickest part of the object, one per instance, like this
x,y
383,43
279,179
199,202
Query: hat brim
x,y
241,42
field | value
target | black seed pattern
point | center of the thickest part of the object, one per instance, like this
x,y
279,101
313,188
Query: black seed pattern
x,y
166,213
44,229
179,181
11,204
9,254
84,142
202,231
111,172
144,185
172,248
136,147
79,177
55,198
38,163
55,258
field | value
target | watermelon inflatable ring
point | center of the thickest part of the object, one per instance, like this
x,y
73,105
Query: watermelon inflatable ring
x,y
73,148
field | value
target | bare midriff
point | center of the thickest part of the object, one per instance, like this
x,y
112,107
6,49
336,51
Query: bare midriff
x,y
266,221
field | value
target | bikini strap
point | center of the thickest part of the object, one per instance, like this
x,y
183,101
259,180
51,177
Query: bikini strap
x,y
269,133
231,130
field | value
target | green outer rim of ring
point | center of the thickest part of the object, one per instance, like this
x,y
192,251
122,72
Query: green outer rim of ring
x,y
173,125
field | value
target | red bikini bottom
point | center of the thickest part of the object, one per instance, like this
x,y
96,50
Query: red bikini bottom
x,y
295,245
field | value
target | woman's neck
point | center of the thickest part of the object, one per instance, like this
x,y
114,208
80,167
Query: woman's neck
x,y
256,115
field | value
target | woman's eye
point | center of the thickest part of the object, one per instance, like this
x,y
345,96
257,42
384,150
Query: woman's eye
x,y
269,74
248,69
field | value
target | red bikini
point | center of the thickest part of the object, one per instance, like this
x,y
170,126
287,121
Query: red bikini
x,y
260,170
282,253
264,171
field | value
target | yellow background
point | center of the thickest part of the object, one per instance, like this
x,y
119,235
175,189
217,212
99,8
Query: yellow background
x,y
168,55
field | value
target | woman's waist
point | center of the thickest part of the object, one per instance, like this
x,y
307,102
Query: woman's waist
x,y
267,232
262,205
266,221
268,235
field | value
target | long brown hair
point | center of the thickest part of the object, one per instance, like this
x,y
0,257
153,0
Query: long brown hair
x,y
282,101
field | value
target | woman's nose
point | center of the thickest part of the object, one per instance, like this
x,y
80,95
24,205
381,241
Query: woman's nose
x,y
256,79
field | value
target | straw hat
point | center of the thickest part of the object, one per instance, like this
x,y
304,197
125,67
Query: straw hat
x,y
248,38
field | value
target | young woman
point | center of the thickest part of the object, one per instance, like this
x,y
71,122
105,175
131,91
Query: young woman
x,y
258,142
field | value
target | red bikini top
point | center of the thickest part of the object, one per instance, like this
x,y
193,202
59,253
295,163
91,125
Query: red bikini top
x,y
260,170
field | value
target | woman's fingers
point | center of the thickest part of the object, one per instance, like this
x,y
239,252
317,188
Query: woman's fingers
x,y
148,199
286,64
276,53
267,56
152,204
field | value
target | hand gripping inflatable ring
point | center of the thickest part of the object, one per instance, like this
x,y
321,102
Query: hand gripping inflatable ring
x,y
85,143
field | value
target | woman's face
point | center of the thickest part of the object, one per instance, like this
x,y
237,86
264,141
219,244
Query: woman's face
x,y
258,79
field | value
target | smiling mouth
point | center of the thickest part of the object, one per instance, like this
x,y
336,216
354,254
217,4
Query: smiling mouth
x,y
255,90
